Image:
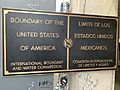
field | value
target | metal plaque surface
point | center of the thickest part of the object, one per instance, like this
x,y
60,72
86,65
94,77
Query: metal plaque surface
x,y
41,42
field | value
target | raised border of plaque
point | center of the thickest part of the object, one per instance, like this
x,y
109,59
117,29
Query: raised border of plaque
x,y
57,55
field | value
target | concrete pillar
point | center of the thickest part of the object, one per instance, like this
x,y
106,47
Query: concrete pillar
x,y
93,80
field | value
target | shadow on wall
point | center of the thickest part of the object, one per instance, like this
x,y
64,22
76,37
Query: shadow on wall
x,y
117,79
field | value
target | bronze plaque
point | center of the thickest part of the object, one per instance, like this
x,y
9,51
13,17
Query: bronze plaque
x,y
37,42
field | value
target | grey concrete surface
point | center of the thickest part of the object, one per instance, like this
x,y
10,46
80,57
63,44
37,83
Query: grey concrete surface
x,y
29,4
32,82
